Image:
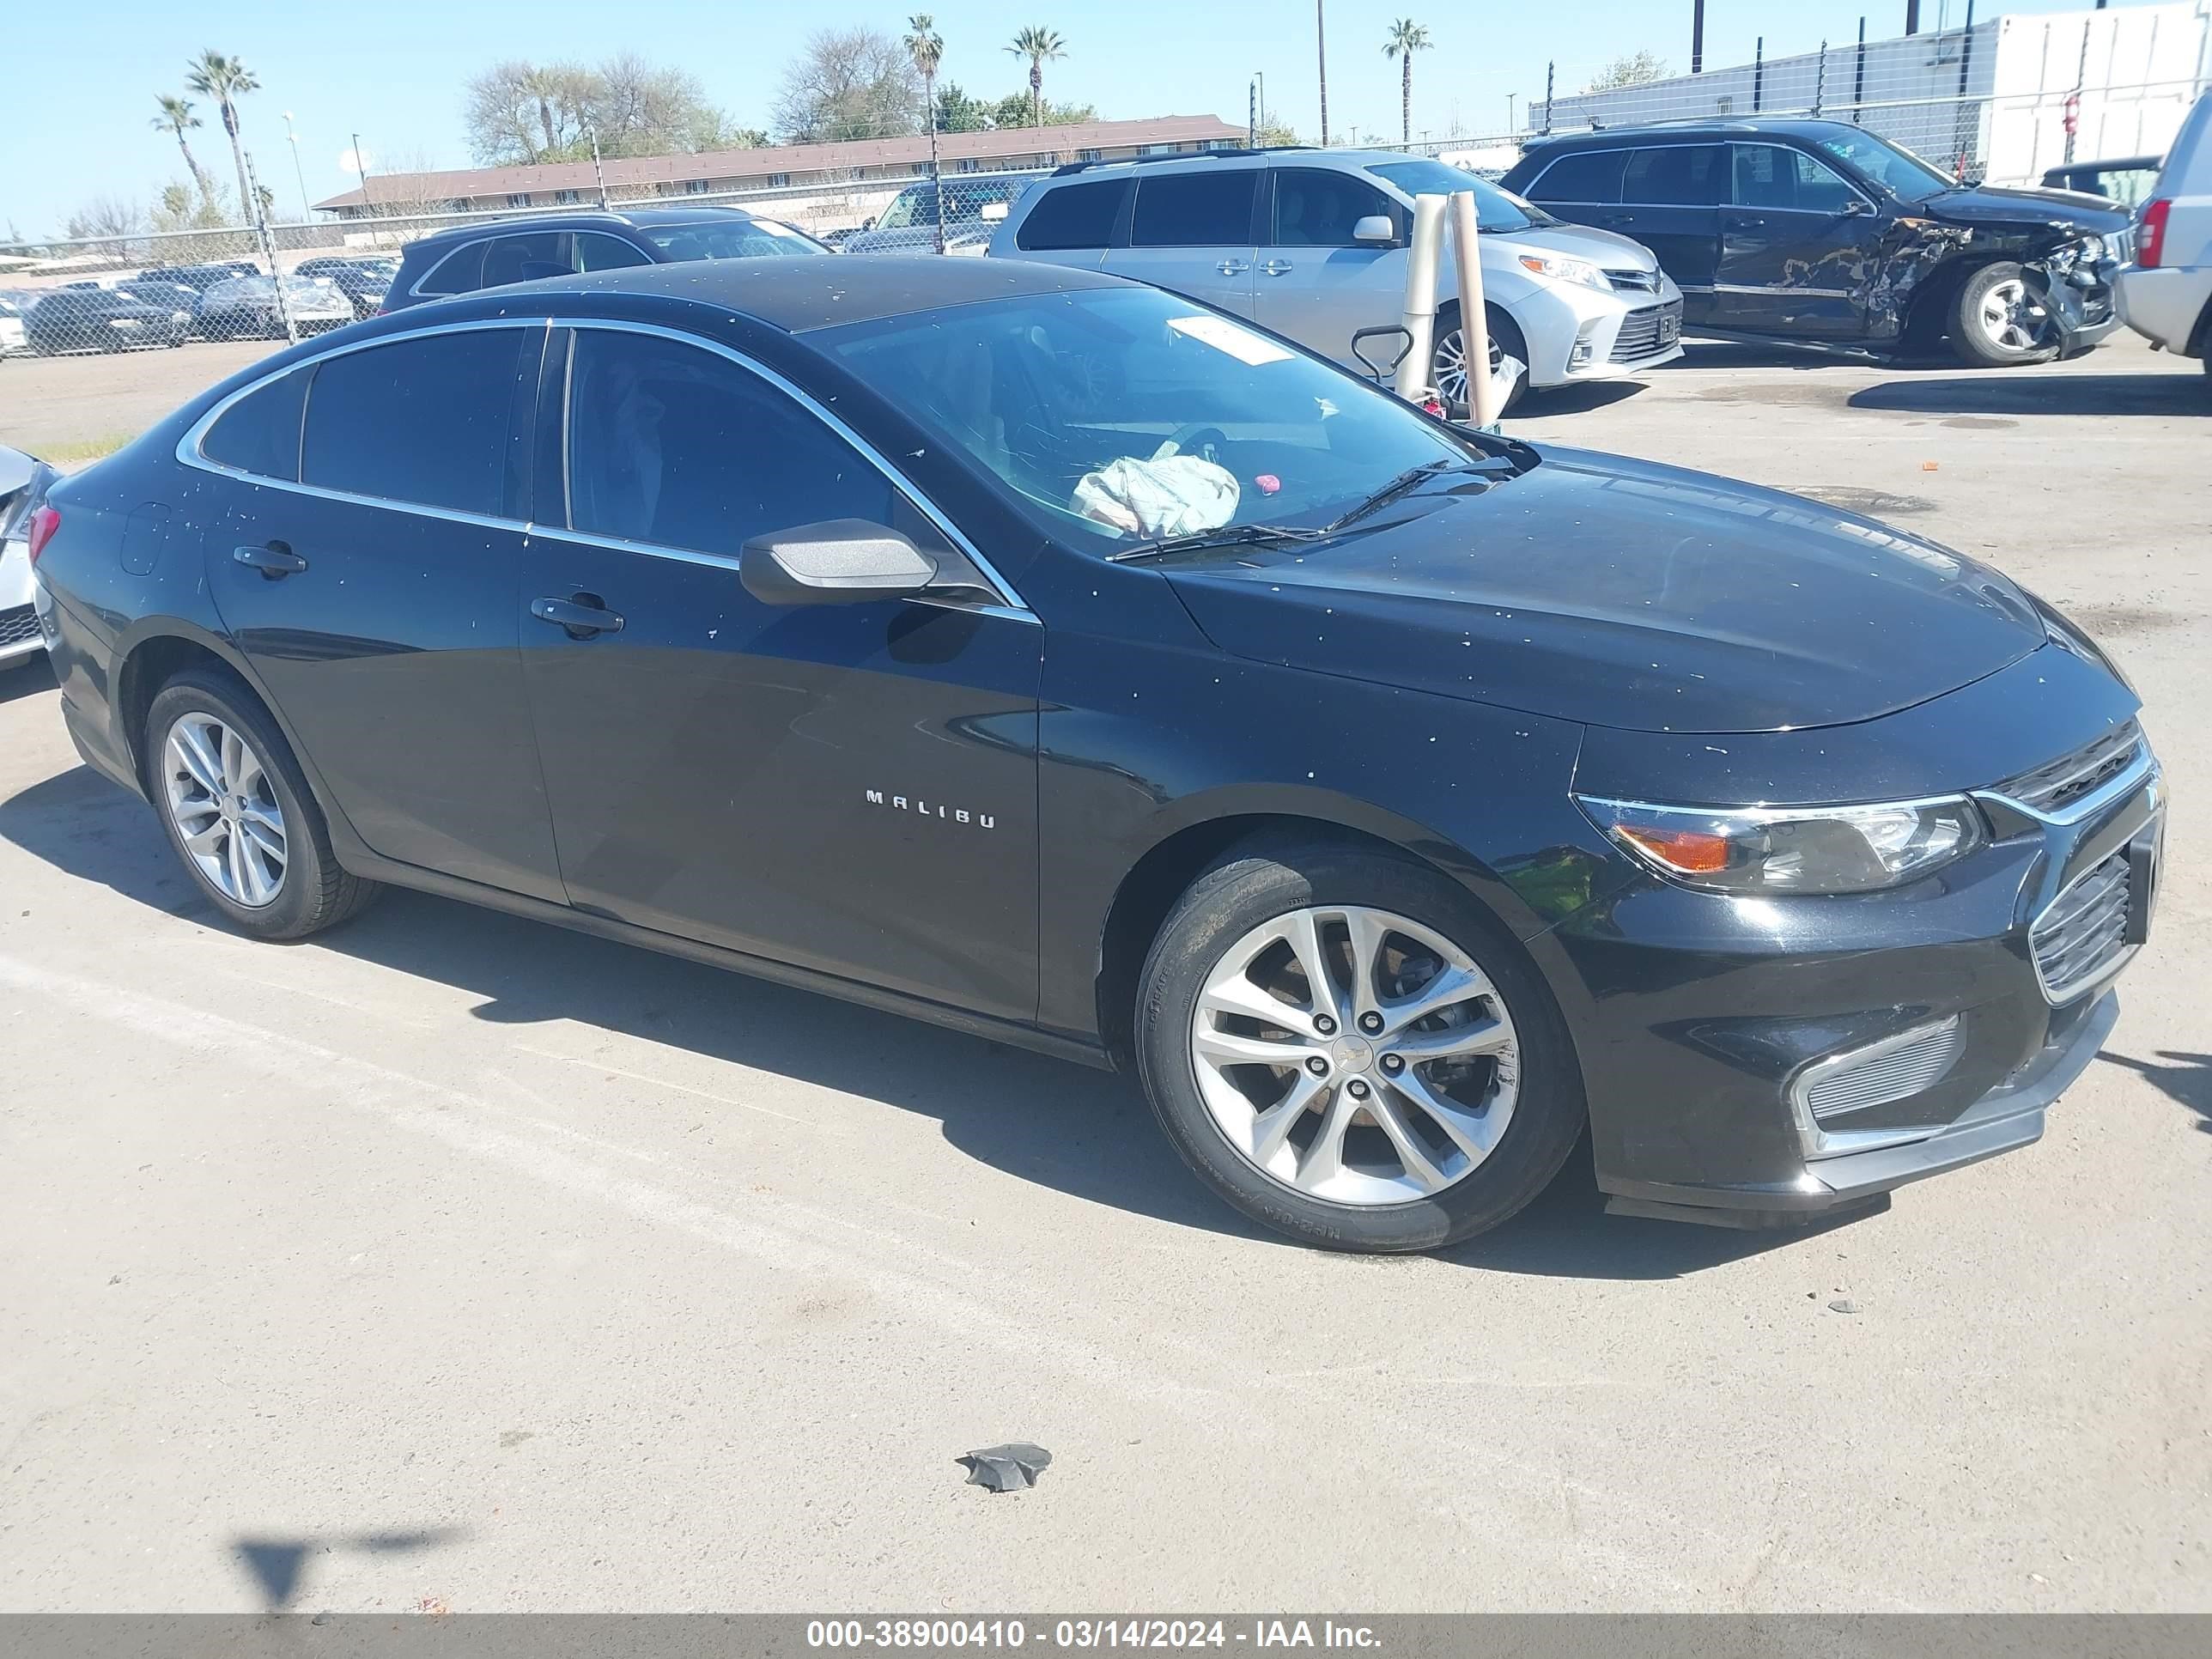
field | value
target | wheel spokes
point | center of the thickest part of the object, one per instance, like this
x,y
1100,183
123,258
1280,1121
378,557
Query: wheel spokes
x,y
1476,1036
189,745
1473,1133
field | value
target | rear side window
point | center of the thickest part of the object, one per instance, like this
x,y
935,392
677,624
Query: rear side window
x,y
1195,209
1074,216
525,258
422,421
1678,175
461,271
675,447
600,252
260,433
1316,207
1593,177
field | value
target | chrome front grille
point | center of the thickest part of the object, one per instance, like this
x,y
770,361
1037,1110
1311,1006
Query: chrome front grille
x,y
1648,331
2058,785
2084,933
18,626
1886,1071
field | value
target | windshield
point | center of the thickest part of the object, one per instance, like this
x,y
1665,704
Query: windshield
x,y
1892,167
964,198
1115,417
1495,209
725,238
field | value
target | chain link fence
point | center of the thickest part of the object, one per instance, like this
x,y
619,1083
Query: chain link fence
x,y
157,289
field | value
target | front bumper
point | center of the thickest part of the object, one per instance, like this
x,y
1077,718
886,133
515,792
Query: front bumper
x,y
1703,1021
18,624
1576,334
2082,304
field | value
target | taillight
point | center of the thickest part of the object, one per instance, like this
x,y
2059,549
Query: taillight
x,y
2150,241
44,520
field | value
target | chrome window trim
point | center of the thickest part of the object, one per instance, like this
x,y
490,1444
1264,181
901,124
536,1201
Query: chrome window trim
x,y
188,451
1568,201
1825,166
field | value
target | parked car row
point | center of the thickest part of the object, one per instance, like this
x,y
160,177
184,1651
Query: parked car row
x,y
166,305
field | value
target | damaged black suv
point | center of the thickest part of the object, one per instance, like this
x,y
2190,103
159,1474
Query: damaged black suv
x,y
1821,232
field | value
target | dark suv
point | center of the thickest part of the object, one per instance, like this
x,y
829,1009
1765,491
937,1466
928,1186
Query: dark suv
x,y
1820,231
472,257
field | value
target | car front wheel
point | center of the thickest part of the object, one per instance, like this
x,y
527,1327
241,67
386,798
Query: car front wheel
x,y
1348,1049
2000,320
239,812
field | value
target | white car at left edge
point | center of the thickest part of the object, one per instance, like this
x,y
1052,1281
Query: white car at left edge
x,y
23,481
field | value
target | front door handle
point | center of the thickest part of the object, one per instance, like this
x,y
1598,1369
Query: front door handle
x,y
1233,267
582,617
273,560
1275,268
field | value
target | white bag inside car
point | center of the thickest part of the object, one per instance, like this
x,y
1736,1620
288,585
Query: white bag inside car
x,y
1170,494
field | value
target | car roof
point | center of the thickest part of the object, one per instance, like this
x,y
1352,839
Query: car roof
x,y
582,219
797,295
1695,131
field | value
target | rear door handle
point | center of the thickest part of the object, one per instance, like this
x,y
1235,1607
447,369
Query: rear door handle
x,y
583,618
273,560
1275,268
1233,267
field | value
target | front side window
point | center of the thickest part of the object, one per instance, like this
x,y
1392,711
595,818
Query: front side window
x,y
525,258
1197,208
1316,207
1772,176
1068,401
1074,216
422,421
1591,177
1892,167
730,239
1676,175
1494,209
674,446
597,252
260,433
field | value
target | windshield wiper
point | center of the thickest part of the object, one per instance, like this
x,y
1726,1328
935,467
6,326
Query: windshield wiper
x,y
1235,535
1413,479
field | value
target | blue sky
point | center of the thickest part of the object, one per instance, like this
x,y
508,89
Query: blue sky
x,y
83,83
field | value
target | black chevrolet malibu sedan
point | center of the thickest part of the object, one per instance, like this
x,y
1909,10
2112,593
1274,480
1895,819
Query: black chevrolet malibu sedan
x,y
1054,658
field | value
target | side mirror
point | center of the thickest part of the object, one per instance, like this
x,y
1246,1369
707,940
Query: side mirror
x,y
840,561
868,223
1857,208
1375,229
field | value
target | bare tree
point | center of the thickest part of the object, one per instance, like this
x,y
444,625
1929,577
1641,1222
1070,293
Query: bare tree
x,y
848,84
1633,68
108,221
640,109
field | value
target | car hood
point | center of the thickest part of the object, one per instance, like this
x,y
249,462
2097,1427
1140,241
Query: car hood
x,y
2060,210
1603,248
1620,593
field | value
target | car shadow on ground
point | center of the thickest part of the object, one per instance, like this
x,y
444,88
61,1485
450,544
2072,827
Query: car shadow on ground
x,y
2182,1077
1085,1133
2027,392
27,679
276,1566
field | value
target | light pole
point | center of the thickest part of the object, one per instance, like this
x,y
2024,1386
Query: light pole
x,y
298,172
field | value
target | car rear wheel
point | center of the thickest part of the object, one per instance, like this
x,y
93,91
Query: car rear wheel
x,y
1348,1049
1999,320
239,812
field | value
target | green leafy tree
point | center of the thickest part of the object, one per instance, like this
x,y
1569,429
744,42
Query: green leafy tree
x,y
225,79
1406,37
926,48
958,112
1040,46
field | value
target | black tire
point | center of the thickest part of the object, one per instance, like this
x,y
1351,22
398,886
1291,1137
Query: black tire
x,y
1971,333
1269,878
314,893
1507,335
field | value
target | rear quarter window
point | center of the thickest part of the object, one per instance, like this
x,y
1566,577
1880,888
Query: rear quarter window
x,y
461,271
1592,177
1074,216
260,433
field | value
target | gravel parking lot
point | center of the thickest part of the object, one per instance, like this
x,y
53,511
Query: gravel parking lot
x,y
452,1262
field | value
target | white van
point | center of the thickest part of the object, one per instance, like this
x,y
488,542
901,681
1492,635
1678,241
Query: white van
x,y
2166,295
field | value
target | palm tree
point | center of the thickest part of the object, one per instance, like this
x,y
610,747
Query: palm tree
x,y
225,80
927,47
177,116
1405,39
1321,51
1039,46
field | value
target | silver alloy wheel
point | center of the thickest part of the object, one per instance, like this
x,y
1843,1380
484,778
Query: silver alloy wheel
x,y
1450,370
2011,320
223,804
1354,1055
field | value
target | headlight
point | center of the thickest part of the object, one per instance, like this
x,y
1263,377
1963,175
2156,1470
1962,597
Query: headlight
x,y
1559,269
1775,850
